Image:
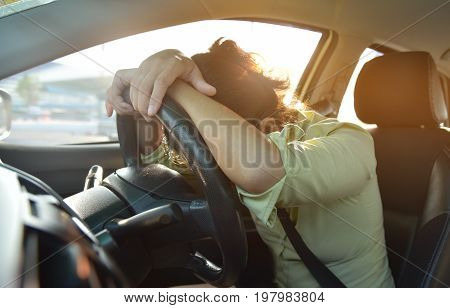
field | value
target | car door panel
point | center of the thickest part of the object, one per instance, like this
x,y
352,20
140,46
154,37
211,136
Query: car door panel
x,y
64,168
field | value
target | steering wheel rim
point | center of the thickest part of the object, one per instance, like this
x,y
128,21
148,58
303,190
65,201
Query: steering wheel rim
x,y
220,193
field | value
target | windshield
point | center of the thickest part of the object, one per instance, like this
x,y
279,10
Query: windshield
x,y
8,7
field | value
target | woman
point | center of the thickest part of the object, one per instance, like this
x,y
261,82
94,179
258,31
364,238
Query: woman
x,y
320,170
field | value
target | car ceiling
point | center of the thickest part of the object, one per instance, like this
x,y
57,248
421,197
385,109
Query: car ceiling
x,y
62,27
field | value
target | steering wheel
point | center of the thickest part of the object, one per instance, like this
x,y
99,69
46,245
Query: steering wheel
x,y
220,219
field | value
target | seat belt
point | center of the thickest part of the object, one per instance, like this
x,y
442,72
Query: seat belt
x,y
318,270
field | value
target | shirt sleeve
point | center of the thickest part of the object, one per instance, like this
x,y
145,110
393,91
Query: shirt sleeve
x,y
319,170
159,156
155,157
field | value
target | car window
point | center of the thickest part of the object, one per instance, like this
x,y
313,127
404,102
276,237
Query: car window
x,y
347,109
8,7
62,102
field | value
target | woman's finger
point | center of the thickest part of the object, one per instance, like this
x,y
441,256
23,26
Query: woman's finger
x,y
114,94
145,89
196,79
162,82
109,108
134,90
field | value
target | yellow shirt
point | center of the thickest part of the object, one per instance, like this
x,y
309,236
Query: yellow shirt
x,y
331,192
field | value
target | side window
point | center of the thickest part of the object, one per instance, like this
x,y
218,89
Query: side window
x,y
347,109
62,102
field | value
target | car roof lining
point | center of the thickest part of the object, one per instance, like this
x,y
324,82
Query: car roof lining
x,y
65,26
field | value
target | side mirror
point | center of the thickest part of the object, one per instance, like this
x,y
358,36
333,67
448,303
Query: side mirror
x,y
5,114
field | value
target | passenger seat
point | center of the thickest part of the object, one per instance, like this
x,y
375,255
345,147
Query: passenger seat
x,y
402,94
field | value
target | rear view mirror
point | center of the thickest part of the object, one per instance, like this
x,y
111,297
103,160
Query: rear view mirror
x,y
5,114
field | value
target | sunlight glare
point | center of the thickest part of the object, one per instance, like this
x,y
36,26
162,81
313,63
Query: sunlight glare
x,y
287,50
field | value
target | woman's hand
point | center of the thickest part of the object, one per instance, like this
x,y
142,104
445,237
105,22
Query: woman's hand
x,y
149,83
114,100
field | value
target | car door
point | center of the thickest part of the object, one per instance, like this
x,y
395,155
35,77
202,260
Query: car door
x,y
64,168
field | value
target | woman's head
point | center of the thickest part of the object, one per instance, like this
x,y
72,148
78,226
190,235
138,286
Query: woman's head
x,y
242,85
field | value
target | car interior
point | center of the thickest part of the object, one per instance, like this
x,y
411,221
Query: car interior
x,y
145,226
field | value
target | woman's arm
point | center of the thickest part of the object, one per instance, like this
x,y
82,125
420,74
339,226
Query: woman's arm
x,y
243,152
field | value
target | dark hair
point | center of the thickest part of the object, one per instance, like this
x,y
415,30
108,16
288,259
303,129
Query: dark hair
x,y
243,86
